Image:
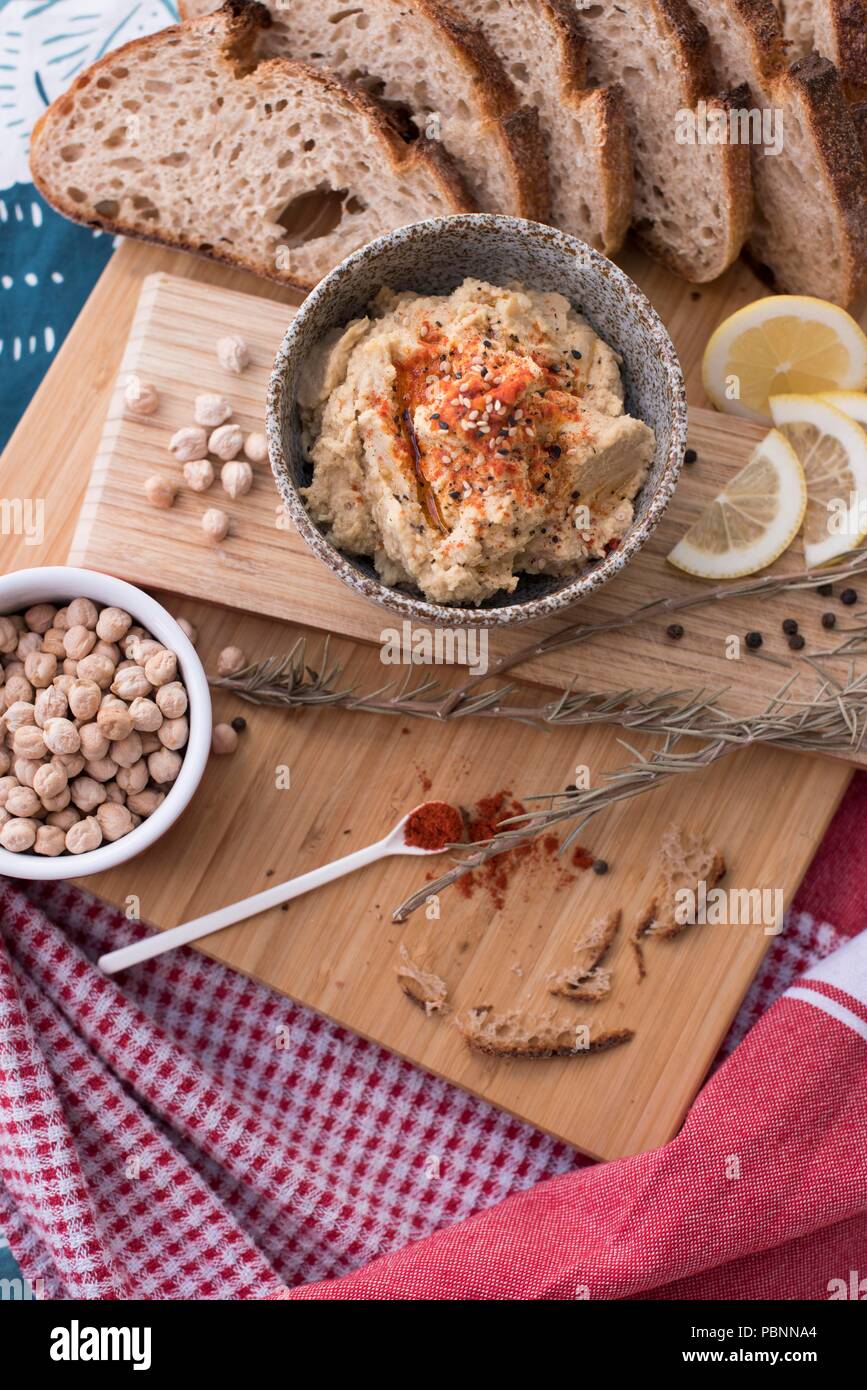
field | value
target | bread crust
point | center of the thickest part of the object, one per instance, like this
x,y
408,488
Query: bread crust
x,y
245,19
847,20
541,1038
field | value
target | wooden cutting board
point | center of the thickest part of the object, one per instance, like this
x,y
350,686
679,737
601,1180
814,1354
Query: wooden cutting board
x,y
352,775
266,567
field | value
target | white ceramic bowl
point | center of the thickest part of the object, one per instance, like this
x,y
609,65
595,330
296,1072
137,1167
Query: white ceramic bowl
x,y
59,584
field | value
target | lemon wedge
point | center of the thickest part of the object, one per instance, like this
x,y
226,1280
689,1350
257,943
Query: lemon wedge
x,y
832,449
786,343
852,403
752,521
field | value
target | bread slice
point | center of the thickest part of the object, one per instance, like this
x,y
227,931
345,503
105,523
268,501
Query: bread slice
x,y
811,199
686,860
185,138
796,17
544,51
436,74
693,205
582,978
518,1034
840,33
422,986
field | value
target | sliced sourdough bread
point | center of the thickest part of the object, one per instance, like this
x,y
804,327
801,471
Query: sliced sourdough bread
x,y
185,138
693,203
840,33
437,75
810,229
585,131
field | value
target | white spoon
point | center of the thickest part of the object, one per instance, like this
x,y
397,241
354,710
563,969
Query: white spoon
x,y
394,843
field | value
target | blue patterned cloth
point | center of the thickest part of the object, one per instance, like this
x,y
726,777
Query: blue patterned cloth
x,y
48,266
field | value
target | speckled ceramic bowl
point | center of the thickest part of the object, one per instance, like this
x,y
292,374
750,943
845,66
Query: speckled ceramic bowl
x,y
433,258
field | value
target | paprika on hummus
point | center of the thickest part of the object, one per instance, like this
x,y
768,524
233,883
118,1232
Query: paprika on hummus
x,y
462,440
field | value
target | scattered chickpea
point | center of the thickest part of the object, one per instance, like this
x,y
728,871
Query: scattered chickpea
x,y
160,492
215,525
140,397
199,474
188,630
256,447
226,442
224,739
230,661
211,410
189,443
237,478
232,353
84,836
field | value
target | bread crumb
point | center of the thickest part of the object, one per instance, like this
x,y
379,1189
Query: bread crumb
x,y
685,861
422,986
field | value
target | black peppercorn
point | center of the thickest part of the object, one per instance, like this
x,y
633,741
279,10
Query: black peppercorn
x,y
796,642
790,627
826,590
239,723
675,631
690,456
829,619
754,640
849,596
600,866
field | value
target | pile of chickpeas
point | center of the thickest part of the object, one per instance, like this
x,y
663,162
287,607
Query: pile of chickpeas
x,y
93,724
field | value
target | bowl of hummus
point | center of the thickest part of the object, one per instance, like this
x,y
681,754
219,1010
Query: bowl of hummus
x,y
476,420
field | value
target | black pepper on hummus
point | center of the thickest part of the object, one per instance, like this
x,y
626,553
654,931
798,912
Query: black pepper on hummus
x,y
461,440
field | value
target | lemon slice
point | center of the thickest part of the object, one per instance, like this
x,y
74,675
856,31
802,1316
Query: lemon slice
x,y
832,449
852,403
752,521
786,343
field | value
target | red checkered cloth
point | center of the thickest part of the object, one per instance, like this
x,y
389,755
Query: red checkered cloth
x,y
189,1134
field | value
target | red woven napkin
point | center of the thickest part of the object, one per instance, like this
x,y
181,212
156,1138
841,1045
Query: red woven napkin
x,y
189,1134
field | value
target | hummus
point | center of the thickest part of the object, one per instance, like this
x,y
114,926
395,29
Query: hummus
x,y
463,440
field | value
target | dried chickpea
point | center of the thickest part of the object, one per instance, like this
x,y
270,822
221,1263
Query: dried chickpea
x,y
127,751
83,612
12,667
174,733
30,741
102,769
69,667
211,410
146,802
5,762
230,661
226,442
79,641
233,353
40,668
150,743
8,635
140,397
53,642
85,835
50,703
50,840
236,478
24,801
224,739
17,687
114,793
7,784
25,769
94,742
146,715
110,650
110,701
114,723
160,492
130,683
188,630
85,698
57,803
40,617
28,642
22,712
63,819
98,668
49,781
215,525
161,668
18,835
113,624
72,763
171,700
61,619
199,474
115,820
87,793
4,816
134,778
147,647
256,448
61,736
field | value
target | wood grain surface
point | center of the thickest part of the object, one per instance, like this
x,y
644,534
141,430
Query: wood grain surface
x,y
352,775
